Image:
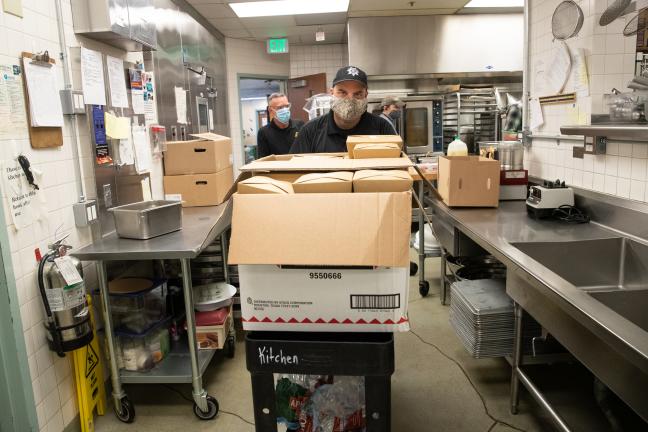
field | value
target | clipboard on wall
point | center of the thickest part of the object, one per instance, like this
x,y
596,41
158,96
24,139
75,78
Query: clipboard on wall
x,y
40,137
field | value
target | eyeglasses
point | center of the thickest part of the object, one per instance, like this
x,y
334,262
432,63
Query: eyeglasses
x,y
281,107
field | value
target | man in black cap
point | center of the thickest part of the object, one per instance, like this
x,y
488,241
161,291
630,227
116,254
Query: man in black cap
x,y
348,116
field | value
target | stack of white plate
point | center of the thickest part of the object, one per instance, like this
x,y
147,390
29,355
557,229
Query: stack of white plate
x,y
431,244
481,314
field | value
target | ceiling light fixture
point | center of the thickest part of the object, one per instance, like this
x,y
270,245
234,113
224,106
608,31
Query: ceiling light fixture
x,y
494,3
288,7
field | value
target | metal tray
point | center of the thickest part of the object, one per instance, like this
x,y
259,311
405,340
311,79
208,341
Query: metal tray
x,y
147,219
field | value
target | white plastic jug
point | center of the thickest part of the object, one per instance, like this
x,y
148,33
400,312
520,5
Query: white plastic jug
x,y
457,148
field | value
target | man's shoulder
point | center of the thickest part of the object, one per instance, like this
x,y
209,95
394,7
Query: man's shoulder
x,y
315,123
298,123
378,121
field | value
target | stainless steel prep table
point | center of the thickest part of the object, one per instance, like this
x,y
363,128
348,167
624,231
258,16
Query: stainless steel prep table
x,y
592,332
200,226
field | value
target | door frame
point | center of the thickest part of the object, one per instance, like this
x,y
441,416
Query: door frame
x,y
283,83
16,391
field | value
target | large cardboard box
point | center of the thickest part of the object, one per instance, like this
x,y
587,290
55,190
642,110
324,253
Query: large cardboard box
x,y
469,181
331,299
200,190
347,229
382,181
333,182
377,150
264,185
353,140
208,154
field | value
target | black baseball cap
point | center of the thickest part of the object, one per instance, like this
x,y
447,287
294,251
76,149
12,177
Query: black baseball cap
x,y
350,73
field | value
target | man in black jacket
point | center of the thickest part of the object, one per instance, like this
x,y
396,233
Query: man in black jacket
x,y
279,134
348,116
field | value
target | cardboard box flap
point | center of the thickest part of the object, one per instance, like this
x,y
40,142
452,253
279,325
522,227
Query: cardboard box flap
x,y
337,163
382,175
353,140
370,229
343,176
376,146
269,184
210,136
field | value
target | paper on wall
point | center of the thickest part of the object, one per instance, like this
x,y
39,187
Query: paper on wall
x,y
138,101
181,104
26,204
558,71
43,92
143,158
117,81
539,78
146,189
13,118
581,80
126,155
117,127
92,77
536,118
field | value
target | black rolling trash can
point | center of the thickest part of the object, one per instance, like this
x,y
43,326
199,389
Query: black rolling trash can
x,y
367,355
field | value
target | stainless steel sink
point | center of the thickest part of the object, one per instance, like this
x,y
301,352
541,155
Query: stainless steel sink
x,y
594,265
632,305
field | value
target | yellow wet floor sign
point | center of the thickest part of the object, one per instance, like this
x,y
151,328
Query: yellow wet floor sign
x,y
88,375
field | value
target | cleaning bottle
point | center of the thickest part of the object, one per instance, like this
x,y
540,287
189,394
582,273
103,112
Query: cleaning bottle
x,y
457,148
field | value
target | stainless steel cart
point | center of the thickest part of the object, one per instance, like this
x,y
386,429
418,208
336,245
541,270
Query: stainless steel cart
x,y
185,364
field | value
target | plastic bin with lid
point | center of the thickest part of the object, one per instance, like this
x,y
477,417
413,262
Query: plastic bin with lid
x,y
141,351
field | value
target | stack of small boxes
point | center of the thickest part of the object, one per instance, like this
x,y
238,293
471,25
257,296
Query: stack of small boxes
x,y
199,171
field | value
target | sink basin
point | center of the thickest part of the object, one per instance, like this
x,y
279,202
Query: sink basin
x,y
632,305
594,265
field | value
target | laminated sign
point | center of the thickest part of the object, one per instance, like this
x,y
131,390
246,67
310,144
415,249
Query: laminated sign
x,y
26,203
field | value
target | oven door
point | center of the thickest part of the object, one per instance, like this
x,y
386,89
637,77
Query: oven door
x,y
418,126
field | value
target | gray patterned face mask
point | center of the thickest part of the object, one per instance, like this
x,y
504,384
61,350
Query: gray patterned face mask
x,y
349,109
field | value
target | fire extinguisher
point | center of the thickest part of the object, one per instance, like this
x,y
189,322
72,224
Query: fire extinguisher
x,y
68,319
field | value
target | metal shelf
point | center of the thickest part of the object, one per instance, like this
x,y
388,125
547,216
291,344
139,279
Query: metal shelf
x,y
639,132
174,369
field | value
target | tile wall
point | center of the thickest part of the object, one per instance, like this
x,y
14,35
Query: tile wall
x,y
313,59
52,380
610,64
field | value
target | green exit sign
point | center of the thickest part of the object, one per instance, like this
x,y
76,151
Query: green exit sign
x,y
277,46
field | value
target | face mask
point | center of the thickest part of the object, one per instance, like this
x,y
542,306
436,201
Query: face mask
x,y
283,115
348,109
395,115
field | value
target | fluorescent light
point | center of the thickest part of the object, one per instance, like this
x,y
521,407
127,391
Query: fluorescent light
x,y
288,7
494,3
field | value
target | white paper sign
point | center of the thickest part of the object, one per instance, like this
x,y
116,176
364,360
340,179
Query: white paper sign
x,y
143,158
44,100
68,270
117,81
92,77
138,101
181,105
25,203
558,71
12,101
536,119
581,80
126,155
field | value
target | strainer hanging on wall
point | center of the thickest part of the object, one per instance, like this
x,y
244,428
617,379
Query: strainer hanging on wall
x,y
567,20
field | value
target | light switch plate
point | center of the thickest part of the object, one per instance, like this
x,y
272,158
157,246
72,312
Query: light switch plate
x,y
13,7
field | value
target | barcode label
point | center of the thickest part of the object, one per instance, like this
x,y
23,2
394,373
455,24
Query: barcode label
x,y
387,301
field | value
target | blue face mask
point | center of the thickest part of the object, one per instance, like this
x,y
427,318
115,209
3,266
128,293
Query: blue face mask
x,y
283,115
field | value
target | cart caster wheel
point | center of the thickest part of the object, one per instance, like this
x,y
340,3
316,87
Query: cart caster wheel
x,y
424,288
127,414
230,347
413,268
212,409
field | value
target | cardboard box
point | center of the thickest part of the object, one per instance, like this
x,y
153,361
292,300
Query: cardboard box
x,y
372,151
382,181
353,140
371,229
323,162
333,182
331,299
209,154
200,190
469,181
264,185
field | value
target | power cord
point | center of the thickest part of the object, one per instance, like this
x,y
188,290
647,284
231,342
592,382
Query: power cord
x,y
570,214
495,420
188,399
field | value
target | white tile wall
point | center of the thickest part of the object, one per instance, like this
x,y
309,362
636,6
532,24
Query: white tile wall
x,y
623,171
314,59
247,57
52,379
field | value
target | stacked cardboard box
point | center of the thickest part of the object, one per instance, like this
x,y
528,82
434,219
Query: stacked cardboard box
x,y
323,258
199,170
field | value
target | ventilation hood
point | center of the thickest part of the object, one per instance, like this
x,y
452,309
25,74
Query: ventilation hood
x,y
438,45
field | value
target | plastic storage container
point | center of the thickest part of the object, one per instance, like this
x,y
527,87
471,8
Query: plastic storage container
x,y
137,303
457,148
140,352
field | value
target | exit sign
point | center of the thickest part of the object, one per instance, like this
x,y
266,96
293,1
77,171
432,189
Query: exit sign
x,y
277,46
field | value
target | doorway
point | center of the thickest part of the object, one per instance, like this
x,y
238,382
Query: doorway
x,y
253,102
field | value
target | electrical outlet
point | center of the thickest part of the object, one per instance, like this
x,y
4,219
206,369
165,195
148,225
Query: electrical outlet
x,y
85,213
